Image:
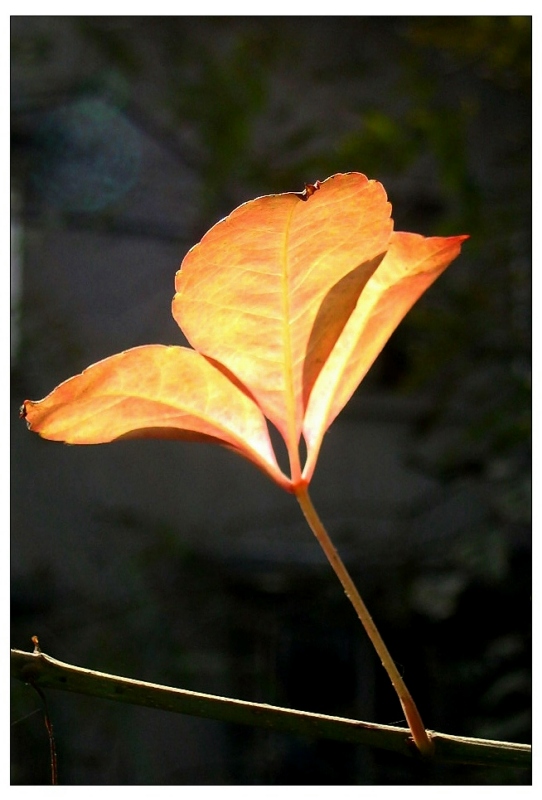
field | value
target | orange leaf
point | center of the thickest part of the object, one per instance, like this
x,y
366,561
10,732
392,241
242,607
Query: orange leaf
x,y
287,302
155,392
409,267
249,294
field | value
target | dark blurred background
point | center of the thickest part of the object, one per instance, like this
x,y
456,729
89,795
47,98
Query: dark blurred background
x,y
180,564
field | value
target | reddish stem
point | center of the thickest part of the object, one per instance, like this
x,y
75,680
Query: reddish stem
x,y
417,728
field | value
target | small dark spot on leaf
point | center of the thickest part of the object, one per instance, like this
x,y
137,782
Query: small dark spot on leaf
x,y
308,191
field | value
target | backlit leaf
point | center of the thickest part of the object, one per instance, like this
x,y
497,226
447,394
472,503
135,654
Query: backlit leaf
x,y
155,392
249,293
287,302
409,267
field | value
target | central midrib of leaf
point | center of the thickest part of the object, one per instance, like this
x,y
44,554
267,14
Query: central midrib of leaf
x,y
291,444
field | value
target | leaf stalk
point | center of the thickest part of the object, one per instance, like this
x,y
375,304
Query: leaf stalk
x,y
419,734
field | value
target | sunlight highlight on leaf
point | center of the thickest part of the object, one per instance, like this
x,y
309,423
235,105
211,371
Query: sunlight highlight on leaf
x,y
287,302
249,293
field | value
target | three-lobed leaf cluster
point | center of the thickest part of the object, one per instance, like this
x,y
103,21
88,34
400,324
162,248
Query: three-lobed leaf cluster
x,y
286,302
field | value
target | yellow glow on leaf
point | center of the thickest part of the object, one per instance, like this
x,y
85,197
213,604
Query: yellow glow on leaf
x,y
287,302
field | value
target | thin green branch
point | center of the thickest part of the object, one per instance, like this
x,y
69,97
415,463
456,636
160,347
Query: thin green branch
x,y
41,670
